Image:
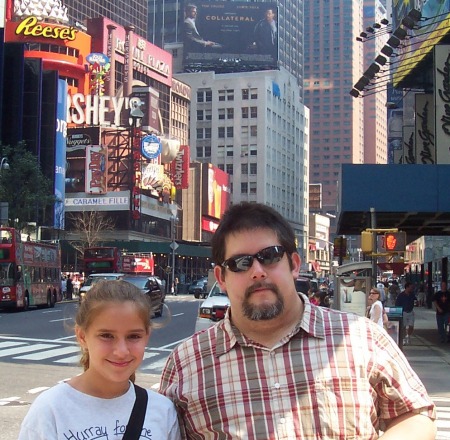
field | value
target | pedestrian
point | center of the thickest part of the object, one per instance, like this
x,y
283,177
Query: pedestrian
x,y
63,287
394,291
406,299
112,326
69,288
279,367
375,309
442,305
421,295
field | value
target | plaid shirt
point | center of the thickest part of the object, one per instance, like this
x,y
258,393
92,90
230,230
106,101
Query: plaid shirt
x,y
336,376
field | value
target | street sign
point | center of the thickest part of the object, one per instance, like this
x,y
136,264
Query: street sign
x,y
174,245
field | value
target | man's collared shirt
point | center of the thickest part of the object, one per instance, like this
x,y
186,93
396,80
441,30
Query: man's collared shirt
x,y
336,376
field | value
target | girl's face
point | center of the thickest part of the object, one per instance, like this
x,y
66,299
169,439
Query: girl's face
x,y
116,341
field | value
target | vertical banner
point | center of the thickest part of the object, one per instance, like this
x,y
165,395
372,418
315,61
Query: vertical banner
x,y
442,102
96,169
425,125
215,191
409,151
179,168
395,124
60,155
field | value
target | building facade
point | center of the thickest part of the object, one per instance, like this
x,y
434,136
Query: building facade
x,y
252,126
333,62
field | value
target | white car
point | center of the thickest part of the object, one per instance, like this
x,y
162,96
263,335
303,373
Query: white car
x,y
212,309
93,278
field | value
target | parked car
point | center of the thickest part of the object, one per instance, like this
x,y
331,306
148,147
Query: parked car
x,y
93,278
200,288
302,284
213,308
149,286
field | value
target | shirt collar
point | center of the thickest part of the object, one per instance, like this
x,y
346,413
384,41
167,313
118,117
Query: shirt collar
x,y
310,323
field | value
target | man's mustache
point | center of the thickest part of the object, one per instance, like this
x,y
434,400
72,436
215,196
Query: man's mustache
x,y
256,286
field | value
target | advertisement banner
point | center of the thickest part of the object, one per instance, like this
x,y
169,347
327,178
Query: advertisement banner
x,y
395,124
179,168
442,102
96,169
240,35
216,191
60,155
425,125
152,176
409,150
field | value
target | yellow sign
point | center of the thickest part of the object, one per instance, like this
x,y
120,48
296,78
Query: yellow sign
x,y
31,27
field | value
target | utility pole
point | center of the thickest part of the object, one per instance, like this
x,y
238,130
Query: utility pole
x,y
373,224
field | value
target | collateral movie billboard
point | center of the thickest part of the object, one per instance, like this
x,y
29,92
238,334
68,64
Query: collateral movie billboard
x,y
242,36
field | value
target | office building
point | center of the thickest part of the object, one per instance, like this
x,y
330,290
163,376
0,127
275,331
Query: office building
x,y
252,126
122,12
333,62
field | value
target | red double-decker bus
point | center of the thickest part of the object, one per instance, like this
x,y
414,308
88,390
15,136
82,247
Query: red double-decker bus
x,y
102,259
30,272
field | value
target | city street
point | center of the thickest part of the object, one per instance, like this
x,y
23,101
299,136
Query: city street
x,y
37,351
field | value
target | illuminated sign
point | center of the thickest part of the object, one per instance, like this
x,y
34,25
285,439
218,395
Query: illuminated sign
x,y
151,146
395,241
96,169
31,27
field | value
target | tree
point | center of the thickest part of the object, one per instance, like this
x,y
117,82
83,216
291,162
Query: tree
x,y
89,225
27,190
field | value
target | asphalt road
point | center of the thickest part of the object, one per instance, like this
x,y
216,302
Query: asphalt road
x,y
38,350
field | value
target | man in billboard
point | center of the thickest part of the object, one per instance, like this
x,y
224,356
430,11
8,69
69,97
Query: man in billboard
x,y
266,34
192,38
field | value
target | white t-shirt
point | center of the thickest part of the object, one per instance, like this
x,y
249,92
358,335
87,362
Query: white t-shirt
x,y
63,413
376,305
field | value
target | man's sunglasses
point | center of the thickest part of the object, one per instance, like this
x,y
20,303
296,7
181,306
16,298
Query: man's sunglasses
x,y
267,256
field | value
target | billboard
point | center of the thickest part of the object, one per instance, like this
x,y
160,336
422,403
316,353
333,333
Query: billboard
x,y
237,35
425,126
216,191
430,30
395,124
441,102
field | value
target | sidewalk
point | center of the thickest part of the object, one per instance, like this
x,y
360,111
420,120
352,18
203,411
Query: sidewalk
x,y
427,355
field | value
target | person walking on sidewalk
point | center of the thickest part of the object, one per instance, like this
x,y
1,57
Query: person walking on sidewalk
x,y
442,303
406,299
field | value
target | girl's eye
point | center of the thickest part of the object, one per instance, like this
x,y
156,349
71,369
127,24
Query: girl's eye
x,y
106,335
136,336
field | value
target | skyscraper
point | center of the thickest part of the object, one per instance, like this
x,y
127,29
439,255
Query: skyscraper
x,y
333,63
123,12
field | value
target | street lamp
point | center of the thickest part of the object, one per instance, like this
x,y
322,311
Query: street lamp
x,y
174,244
4,165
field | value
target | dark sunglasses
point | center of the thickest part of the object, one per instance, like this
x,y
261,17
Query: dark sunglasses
x,y
267,256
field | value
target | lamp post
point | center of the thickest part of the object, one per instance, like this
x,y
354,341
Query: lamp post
x,y
174,244
4,165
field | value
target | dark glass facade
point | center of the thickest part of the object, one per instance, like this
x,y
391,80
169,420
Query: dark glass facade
x,y
123,12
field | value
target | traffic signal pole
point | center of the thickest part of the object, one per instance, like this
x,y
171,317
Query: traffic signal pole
x,y
373,224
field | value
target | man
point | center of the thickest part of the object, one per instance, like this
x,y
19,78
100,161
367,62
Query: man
x,y
279,367
192,37
442,304
265,32
406,299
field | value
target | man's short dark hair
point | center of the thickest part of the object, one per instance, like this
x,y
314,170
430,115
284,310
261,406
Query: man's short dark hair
x,y
247,217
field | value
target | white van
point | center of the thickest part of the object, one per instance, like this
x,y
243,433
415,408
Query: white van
x,y
93,278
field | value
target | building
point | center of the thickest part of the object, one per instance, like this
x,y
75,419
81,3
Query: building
x,y
333,62
375,111
252,126
122,12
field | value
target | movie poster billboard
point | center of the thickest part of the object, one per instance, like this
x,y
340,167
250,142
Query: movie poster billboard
x,y
237,35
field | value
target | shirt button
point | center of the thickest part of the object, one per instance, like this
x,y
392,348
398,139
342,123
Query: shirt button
x,y
277,385
282,420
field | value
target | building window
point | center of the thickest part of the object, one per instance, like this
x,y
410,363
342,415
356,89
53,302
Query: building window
x,y
244,168
226,95
253,168
252,187
244,187
230,132
229,169
253,112
253,130
230,113
245,112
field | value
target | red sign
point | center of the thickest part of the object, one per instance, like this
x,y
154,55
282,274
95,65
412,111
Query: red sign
x,y
216,191
179,168
209,225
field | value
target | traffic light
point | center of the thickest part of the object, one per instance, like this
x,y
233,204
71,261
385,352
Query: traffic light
x,y
395,241
367,242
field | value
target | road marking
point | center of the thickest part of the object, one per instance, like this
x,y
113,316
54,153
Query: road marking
x,y
18,350
177,314
10,344
62,319
54,352
37,390
173,344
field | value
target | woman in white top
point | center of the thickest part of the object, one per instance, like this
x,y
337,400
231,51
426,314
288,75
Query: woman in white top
x,y
375,309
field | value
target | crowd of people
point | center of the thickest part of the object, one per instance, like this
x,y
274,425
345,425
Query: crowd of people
x,y
277,366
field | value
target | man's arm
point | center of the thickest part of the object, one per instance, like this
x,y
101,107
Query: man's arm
x,y
410,426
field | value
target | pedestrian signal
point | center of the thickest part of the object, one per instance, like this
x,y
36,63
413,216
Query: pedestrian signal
x,y
395,241
367,242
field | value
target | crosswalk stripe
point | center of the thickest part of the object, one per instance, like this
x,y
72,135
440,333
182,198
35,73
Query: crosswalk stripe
x,y
10,344
69,360
18,350
54,352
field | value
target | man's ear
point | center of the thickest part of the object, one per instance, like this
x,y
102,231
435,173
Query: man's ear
x,y
296,264
219,275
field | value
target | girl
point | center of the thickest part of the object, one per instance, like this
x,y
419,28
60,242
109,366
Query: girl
x,y
112,327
